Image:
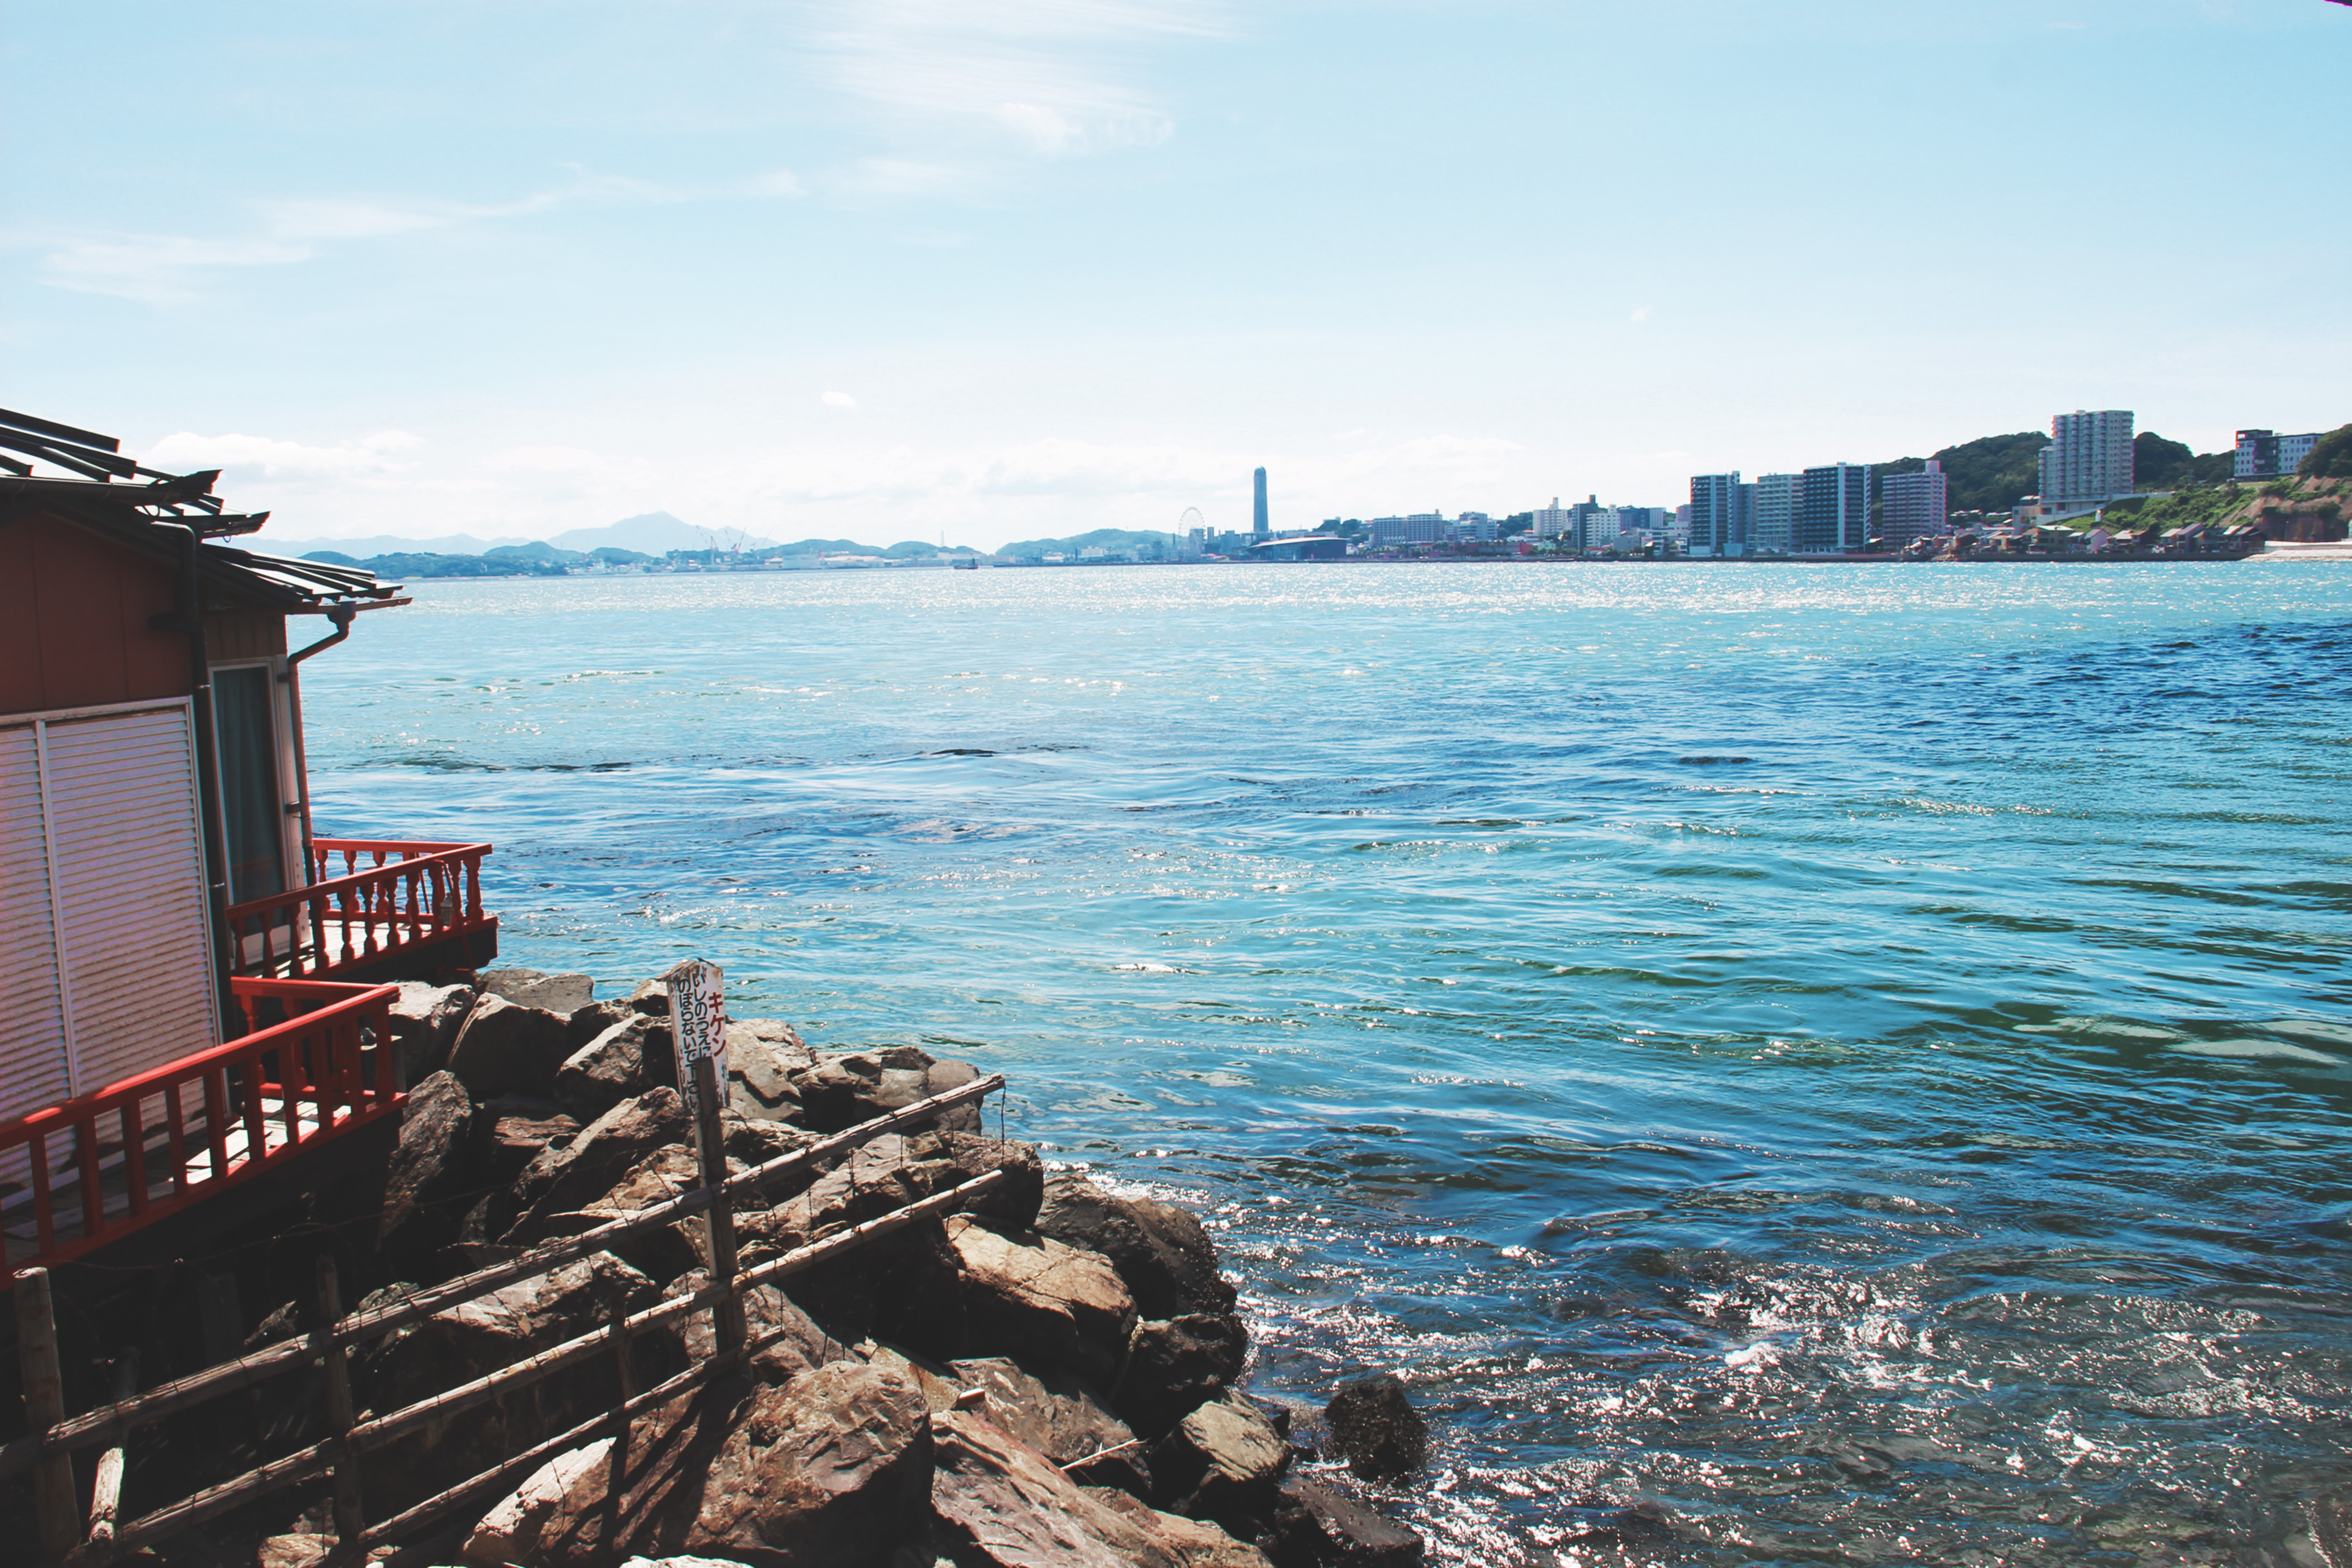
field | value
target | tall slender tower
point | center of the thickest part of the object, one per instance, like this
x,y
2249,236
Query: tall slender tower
x,y
1258,524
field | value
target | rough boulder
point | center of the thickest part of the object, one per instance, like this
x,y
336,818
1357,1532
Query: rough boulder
x,y
1028,1296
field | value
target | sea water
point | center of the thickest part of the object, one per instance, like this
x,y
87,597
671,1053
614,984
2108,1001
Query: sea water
x,y
1853,1063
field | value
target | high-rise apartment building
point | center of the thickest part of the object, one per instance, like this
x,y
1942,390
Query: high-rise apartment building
x,y
1588,522
1833,510
1258,524
1773,524
1916,504
2264,454
1722,514
1551,521
2089,456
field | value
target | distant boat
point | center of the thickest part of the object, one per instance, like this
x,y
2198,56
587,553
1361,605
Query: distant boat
x,y
966,562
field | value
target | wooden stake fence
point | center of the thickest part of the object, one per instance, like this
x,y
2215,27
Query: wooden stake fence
x,y
46,1449
113,1422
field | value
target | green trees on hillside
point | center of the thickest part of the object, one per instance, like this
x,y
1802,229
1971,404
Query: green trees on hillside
x,y
1992,473
2161,465
2332,459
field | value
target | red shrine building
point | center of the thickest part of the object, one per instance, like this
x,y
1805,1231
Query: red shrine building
x,y
200,979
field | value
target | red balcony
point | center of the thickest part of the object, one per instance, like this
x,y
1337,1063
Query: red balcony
x,y
387,911
89,1171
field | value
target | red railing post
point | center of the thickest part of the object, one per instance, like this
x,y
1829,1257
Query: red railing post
x,y
175,1119
44,1223
134,1157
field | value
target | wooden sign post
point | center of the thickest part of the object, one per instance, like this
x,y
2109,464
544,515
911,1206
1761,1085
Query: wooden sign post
x,y
698,1021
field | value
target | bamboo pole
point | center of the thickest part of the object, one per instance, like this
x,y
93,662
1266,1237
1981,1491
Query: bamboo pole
x,y
56,1520
114,1421
718,1223
348,1520
385,1429
106,1492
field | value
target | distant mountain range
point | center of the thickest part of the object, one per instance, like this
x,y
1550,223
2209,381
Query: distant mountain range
x,y
650,533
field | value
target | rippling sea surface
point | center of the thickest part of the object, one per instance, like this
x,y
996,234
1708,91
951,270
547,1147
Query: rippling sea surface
x,y
1795,1063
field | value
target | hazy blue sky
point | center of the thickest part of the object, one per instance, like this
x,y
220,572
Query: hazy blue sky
x,y
1010,269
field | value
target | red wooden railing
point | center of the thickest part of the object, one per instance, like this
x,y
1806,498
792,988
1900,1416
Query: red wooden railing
x,y
93,1169
386,896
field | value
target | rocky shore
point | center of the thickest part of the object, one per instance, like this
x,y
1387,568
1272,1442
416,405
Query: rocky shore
x,y
1050,1376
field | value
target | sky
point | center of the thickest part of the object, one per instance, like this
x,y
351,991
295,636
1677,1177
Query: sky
x,y
1000,269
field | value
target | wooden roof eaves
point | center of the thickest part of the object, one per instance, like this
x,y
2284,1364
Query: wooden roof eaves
x,y
289,587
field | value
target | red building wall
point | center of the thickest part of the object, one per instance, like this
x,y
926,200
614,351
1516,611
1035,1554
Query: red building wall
x,y
73,620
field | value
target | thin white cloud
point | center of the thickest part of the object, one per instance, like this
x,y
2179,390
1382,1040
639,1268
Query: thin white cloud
x,y
839,400
168,268
1052,77
187,452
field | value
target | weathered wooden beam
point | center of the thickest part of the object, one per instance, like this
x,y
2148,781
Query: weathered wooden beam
x,y
348,1521
56,1522
112,1422
718,1222
9,416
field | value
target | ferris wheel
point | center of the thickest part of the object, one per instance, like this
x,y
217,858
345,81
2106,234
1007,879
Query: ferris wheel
x,y
1191,520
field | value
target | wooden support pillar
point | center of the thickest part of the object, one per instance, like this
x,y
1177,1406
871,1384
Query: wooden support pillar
x,y
56,1518
719,1219
348,1522
106,1493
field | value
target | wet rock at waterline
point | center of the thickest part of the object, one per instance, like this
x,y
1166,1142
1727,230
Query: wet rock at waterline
x,y
1223,1461
1316,1527
1176,1364
1159,1250
1372,1424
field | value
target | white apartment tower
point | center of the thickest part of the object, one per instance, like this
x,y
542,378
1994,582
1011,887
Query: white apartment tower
x,y
2089,456
1775,521
1916,504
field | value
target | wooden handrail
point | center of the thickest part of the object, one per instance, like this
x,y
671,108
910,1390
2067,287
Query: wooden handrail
x,y
414,893
110,1422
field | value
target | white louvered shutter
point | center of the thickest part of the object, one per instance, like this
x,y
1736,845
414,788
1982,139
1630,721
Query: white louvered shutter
x,y
32,1027
132,917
